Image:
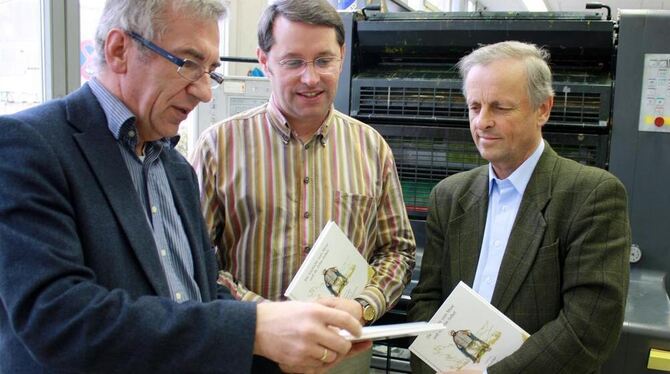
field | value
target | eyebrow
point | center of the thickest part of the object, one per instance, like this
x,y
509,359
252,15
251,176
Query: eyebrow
x,y
199,56
293,55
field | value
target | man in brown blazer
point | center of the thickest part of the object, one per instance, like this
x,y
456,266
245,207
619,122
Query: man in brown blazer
x,y
545,239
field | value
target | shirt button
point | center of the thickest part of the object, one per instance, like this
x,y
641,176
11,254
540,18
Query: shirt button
x,y
496,243
307,146
504,208
306,215
163,252
306,180
488,280
154,210
177,296
307,248
131,133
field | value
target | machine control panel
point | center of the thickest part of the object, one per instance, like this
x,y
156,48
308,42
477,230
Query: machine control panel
x,y
655,102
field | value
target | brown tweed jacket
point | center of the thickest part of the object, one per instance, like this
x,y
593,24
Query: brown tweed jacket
x,y
564,275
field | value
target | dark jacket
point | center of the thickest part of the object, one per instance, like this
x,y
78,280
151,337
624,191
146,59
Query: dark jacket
x,y
564,274
81,285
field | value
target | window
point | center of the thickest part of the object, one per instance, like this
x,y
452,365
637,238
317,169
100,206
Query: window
x,y
21,53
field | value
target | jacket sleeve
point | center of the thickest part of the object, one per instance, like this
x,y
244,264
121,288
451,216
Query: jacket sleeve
x,y
427,296
56,309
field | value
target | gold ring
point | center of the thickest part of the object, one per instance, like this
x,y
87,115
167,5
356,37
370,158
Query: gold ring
x,y
324,356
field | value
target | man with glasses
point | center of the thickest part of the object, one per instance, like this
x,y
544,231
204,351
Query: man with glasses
x,y
272,177
105,265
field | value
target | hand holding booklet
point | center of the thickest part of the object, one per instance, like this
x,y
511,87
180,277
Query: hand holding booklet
x,y
335,268
477,335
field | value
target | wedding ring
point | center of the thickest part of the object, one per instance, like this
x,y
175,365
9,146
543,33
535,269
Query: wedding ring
x,y
324,356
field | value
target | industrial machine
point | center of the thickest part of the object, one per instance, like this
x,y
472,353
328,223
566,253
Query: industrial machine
x,y
400,77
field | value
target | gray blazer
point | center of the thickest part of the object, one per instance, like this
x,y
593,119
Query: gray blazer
x,y
564,275
81,285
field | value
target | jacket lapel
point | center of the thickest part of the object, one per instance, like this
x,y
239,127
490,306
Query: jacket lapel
x,y
180,177
102,153
527,232
467,230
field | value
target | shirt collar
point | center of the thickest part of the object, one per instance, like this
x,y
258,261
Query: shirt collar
x,y
521,176
280,123
120,120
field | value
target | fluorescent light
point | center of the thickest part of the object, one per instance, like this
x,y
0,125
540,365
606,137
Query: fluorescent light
x,y
535,5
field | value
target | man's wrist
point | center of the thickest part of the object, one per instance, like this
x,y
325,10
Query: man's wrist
x,y
368,311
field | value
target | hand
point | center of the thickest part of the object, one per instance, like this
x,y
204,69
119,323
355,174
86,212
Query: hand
x,y
350,306
356,348
302,335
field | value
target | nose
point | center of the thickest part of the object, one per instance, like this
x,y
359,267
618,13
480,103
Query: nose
x,y
310,76
201,89
483,119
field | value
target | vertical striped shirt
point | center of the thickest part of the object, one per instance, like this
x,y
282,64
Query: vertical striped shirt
x,y
266,196
155,195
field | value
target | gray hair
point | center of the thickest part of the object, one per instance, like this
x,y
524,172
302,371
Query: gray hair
x,y
538,72
313,12
146,17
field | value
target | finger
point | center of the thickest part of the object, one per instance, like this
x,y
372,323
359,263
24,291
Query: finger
x,y
328,301
342,320
333,341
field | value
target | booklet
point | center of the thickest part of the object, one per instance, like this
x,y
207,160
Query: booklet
x,y
333,267
397,330
477,335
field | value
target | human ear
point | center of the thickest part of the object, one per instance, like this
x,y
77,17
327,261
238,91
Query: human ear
x,y
263,60
117,46
544,110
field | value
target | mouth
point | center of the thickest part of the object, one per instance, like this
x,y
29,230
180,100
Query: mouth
x,y
310,94
182,112
487,136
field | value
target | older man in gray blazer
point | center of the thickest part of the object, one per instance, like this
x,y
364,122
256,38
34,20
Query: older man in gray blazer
x,y
543,238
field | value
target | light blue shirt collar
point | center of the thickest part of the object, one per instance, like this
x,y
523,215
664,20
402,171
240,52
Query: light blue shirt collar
x,y
521,176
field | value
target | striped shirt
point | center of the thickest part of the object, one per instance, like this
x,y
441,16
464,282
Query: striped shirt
x,y
154,193
266,196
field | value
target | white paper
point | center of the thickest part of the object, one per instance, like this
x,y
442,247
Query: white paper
x,y
397,330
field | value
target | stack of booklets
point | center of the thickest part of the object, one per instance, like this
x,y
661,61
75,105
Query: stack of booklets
x,y
476,334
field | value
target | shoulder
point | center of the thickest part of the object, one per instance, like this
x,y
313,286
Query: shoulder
x,y
362,132
572,175
246,117
463,182
236,127
354,124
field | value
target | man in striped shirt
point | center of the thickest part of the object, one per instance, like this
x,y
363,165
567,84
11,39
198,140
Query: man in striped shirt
x,y
271,177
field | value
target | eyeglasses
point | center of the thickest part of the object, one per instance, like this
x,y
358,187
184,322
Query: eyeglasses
x,y
188,69
322,65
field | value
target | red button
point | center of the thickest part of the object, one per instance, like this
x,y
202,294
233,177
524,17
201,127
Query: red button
x,y
659,121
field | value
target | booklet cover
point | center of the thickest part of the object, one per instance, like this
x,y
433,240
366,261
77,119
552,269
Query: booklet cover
x,y
396,330
333,267
477,335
